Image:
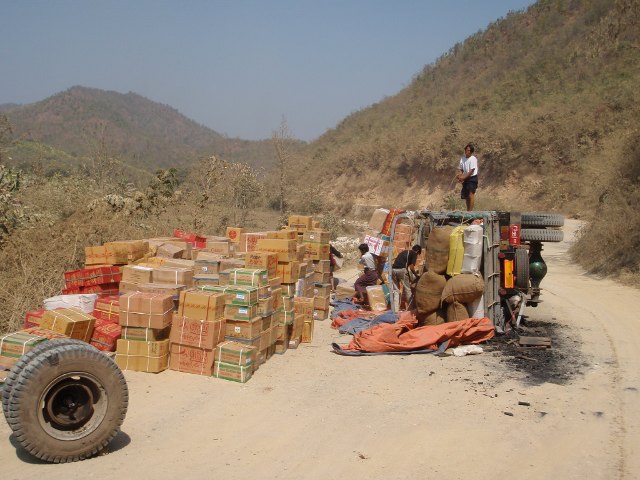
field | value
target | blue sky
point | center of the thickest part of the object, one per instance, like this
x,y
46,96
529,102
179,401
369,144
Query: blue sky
x,y
236,66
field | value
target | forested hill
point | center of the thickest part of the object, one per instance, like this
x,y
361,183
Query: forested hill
x,y
549,96
138,131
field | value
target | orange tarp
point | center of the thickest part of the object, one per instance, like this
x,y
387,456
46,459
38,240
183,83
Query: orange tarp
x,y
404,335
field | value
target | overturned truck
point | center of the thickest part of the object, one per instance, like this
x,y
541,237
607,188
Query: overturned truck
x,y
502,251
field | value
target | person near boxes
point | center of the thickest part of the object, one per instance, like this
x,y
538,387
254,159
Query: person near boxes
x,y
368,278
403,267
334,253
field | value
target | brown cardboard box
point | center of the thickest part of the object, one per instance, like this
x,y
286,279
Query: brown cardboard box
x,y
266,306
244,276
300,222
244,313
303,270
14,345
378,218
301,251
227,248
267,322
343,290
176,263
235,233
322,290
132,249
276,294
173,276
275,282
152,357
184,358
319,314
236,294
235,353
321,277
201,304
70,322
289,271
287,303
285,249
145,334
244,330
284,234
377,299
156,288
263,261
298,322
147,310
321,303
235,373
202,280
403,228
137,274
307,332
288,289
249,241
322,266
171,250
316,236
197,333
265,339
288,317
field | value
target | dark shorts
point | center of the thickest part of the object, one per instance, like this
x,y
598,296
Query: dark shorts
x,y
470,185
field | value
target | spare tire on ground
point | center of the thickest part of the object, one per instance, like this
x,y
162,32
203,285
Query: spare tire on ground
x,y
67,403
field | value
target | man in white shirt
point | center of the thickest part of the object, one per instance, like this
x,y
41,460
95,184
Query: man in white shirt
x,y
368,278
468,176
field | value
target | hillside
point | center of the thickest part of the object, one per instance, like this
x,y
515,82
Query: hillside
x,y
549,96
140,132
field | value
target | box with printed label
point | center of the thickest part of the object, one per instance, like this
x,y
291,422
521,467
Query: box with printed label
x,y
235,353
300,222
205,279
202,304
244,276
105,336
149,310
304,306
284,234
157,288
235,373
14,345
145,334
152,357
70,322
236,294
276,294
241,329
173,276
285,249
205,266
189,359
197,333
263,261
316,236
249,241
33,318
235,233
241,312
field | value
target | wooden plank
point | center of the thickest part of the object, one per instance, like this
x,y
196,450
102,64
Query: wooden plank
x,y
535,341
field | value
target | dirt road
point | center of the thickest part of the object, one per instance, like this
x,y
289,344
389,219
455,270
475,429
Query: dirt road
x,y
313,414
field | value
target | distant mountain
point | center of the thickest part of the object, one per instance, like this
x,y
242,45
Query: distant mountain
x,y
549,96
137,130
8,106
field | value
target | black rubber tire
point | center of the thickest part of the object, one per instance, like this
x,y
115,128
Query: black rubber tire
x,y
24,360
541,235
522,268
536,219
56,381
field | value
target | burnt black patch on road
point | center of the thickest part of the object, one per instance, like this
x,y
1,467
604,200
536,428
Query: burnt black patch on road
x,y
536,365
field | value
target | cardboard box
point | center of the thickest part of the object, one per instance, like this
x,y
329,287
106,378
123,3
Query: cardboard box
x,y
132,250
206,266
307,332
276,294
244,276
300,222
378,218
288,289
241,329
316,236
147,310
197,333
287,302
241,312
249,241
226,248
322,266
321,303
254,342
322,290
201,304
267,322
285,249
137,274
87,277
265,306
235,353
288,317
377,245
14,345
236,294
377,300
304,306
70,322
171,250
321,278
157,288
105,336
173,276
145,334
319,314
33,318
262,261
289,272
205,279
265,339
235,373
403,228
152,357
284,234
189,359
301,251
234,234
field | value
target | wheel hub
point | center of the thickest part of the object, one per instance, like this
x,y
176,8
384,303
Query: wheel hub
x,y
70,404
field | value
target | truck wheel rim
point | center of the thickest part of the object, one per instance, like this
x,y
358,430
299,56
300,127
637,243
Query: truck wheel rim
x,y
72,406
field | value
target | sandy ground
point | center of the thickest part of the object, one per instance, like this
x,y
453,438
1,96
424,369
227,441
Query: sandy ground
x,y
312,414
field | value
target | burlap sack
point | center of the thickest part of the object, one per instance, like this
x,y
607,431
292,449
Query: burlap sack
x,y
437,251
464,288
429,292
456,311
434,318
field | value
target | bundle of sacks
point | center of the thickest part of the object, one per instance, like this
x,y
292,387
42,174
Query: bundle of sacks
x,y
453,286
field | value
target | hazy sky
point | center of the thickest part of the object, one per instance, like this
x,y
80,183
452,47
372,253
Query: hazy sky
x,y
236,66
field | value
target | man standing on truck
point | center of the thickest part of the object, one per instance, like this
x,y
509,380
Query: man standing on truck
x,y
468,176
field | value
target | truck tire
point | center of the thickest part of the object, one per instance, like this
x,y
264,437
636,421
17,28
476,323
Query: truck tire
x,y
522,269
541,220
24,360
68,403
541,235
